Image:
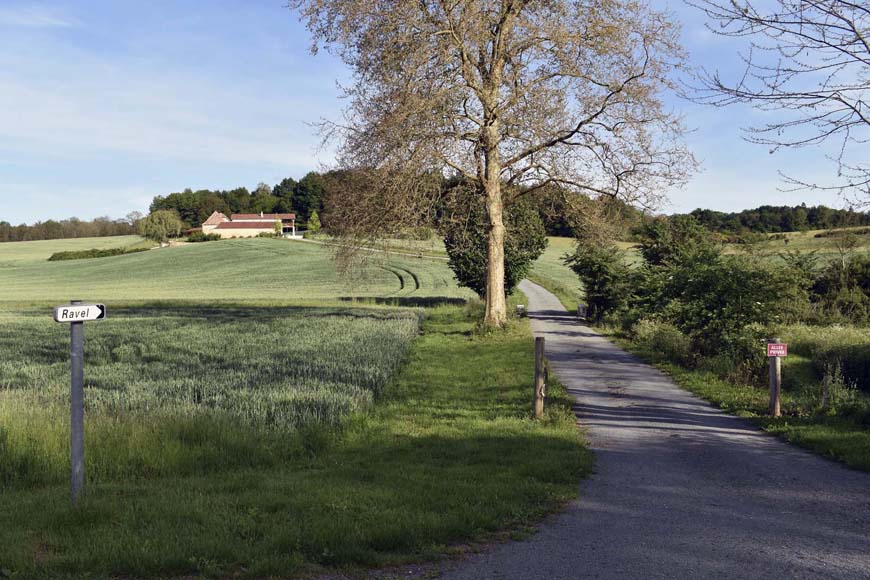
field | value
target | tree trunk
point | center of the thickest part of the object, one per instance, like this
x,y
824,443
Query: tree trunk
x,y
496,303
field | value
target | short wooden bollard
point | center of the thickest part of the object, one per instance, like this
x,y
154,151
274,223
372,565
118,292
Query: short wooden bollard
x,y
773,408
540,382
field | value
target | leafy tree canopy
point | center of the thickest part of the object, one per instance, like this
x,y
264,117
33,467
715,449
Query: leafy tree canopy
x,y
464,229
161,225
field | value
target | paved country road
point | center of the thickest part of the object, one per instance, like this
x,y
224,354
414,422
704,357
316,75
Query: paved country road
x,y
681,490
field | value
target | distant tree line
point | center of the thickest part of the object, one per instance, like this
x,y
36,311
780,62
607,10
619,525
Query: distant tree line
x,y
303,197
772,219
70,228
317,196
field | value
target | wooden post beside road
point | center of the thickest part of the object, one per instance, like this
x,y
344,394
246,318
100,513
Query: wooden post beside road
x,y
775,381
540,382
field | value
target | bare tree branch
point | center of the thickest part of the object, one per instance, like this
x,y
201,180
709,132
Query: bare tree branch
x,y
808,61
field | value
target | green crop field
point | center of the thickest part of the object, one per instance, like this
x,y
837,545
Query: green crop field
x,y
244,418
15,253
252,269
233,382
229,337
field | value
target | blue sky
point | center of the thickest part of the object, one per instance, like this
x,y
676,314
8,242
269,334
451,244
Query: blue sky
x,y
104,104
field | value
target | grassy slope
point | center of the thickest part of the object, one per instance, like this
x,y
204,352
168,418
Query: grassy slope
x,y
550,272
254,269
18,252
450,456
825,248
432,247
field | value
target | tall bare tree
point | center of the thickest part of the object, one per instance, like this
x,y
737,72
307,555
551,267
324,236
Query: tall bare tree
x,y
809,62
511,95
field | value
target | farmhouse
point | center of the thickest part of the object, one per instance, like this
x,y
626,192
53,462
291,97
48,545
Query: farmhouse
x,y
249,225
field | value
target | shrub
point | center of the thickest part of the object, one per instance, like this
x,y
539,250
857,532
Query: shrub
x,y
713,301
94,253
833,346
313,223
267,235
673,240
606,279
834,389
663,342
724,366
196,237
748,348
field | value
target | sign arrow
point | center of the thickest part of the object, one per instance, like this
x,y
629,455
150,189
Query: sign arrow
x,y
79,313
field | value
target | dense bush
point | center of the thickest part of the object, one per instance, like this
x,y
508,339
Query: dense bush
x,y
707,307
835,346
841,291
94,253
663,342
465,231
711,301
674,240
197,237
606,279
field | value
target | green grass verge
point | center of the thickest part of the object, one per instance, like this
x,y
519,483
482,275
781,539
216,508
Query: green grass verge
x,y
449,455
839,438
568,297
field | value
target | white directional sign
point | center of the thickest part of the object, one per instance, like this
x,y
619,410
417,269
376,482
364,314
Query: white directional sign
x,y
79,313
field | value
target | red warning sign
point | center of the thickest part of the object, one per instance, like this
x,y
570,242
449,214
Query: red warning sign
x,y
777,349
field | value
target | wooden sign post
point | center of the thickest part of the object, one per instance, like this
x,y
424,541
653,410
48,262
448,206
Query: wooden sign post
x,y
540,382
775,350
76,314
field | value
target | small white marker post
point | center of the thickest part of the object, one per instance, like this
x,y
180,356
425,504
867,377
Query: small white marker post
x,y
76,314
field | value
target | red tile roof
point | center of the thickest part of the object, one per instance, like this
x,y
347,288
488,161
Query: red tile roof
x,y
263,216
215,218
246,225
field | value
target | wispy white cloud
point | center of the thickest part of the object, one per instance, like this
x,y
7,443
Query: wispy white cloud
x,y
33,17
